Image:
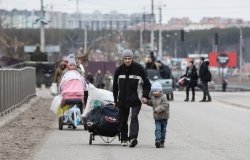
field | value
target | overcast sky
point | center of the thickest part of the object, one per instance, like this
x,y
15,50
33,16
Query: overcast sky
x,y
194,9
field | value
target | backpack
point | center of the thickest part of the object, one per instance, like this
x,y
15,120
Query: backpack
x,y
209,76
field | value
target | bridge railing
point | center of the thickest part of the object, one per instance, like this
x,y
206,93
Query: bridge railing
x,y
16,87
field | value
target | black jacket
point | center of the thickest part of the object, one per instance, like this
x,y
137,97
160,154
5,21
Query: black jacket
x,y
130,84
192,75
204,72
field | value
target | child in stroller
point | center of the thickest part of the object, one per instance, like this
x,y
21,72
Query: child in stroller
x,y
71,89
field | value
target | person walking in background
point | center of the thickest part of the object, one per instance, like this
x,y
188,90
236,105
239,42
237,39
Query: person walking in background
x,y
164,70
107,80
90,78
160,105
224,84
59,71
131,88
205,77
191,73
150,64
99,79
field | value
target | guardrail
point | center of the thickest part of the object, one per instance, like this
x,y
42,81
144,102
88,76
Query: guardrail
x,y
16,87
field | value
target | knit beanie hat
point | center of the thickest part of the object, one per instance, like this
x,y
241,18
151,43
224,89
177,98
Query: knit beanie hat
x,y
156,86
71,61
71,55
127,53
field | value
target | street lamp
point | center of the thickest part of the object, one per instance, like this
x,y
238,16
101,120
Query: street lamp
x,y
42,32
175,45
241,38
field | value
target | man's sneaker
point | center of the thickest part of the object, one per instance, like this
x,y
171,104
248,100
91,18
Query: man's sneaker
x,y
162,145
157,144
124,143
133,142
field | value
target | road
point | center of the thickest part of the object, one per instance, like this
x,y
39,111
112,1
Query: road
x,y
196,131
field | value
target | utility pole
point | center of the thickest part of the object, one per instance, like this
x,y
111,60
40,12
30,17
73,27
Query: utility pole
x,y
144,29
141,39
85,39
152,26
77,6
42,32
241,40
160,35
77,17
175,45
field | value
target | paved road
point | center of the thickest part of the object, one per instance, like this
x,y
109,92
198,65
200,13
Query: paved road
x,y
201,131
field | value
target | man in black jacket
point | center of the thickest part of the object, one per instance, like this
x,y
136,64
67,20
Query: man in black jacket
x,y
205,77
131,88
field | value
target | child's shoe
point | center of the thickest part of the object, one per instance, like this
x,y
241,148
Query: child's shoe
x,y
157,144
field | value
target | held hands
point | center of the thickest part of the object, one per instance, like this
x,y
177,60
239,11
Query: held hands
x,y
144,100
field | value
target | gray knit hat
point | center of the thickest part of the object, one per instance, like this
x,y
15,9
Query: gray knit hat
x,y
127,53
156,86
71,61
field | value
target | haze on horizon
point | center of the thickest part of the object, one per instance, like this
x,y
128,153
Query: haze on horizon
x,y
193,9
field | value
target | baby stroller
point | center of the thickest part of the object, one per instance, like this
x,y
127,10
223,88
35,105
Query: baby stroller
x,y
103,121
72,91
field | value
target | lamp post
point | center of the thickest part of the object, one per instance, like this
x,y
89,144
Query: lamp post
x,y
152,26
241,38
160,32
85,39
42,32
175,45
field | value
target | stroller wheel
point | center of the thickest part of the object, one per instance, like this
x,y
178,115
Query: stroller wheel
x,y
90,138
60,123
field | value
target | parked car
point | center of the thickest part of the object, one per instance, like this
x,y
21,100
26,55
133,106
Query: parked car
x,y
167,84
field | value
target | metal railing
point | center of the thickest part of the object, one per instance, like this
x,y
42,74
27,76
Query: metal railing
x,y
16,87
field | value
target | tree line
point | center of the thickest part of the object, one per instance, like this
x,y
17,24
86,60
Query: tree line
x,y
12,41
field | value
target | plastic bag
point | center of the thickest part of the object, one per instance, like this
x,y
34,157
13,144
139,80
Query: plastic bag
x,y
184,81
56,103
74,115
97,94
53,89
61,110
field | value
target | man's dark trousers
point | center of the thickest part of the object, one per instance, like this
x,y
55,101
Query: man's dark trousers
x,y
134,123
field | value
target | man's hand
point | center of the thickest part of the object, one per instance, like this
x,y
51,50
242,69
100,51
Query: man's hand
x,y
144,100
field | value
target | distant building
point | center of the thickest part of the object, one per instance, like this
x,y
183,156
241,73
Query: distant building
x,y
93,21
110,21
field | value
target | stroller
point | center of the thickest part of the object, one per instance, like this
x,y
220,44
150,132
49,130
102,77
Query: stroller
x,y
72,92
104,121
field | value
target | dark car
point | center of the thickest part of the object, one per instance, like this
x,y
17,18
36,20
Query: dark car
x,y
167,83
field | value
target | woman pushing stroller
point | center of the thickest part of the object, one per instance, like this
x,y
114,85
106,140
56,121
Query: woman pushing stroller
x,y
69,104
72,85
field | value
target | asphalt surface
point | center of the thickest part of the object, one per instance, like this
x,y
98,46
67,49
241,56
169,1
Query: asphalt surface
x,y
217,130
